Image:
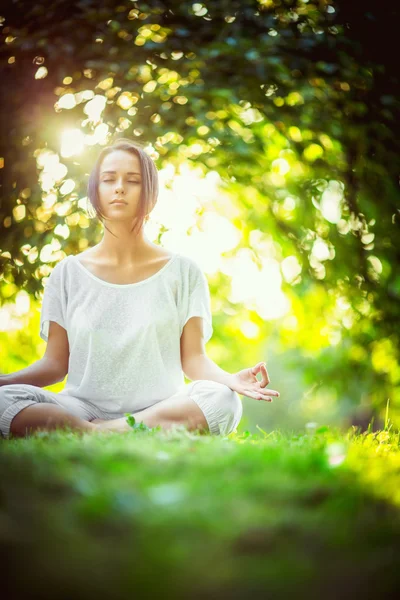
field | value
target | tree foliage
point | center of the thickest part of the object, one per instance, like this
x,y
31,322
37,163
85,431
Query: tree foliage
x,y
293,103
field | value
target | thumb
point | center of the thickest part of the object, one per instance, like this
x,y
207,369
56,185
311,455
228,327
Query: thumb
x,y
257,368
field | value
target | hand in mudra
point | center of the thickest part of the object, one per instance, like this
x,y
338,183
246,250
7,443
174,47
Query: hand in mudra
x,y
246,383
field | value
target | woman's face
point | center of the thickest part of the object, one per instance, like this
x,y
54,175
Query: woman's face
x,y
120,179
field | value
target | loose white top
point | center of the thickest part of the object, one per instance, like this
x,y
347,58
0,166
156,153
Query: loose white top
x,y
124,339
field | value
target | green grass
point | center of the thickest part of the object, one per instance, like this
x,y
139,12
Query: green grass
x,y
195,516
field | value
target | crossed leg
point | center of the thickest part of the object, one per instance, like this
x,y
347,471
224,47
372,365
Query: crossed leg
x,y
179,409
203,405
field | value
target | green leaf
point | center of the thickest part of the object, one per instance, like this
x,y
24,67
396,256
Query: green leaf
x,y
137,426
130,419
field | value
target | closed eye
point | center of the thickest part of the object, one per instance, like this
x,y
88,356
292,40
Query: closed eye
x,y
106,180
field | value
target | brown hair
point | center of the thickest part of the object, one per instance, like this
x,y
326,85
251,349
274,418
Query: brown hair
x,y
149,173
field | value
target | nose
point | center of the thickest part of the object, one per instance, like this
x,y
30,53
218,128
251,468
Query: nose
x,y
119,187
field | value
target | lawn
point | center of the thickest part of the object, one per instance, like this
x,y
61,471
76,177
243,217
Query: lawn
x,y
177,514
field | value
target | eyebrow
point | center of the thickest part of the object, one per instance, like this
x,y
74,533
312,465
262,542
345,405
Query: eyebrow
x,y
113,173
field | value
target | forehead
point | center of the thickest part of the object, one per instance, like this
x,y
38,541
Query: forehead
x,y
120,161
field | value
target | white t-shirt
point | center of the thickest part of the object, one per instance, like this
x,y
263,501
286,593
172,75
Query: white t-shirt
x,y
124,339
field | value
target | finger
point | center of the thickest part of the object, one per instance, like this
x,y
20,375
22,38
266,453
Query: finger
x,y
261,368
265,398
258,396
265,393
256,369
268,392
264,376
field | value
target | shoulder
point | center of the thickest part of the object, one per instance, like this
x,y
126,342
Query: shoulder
x,y
57,272
189,263
189,267
59,267
191,273
87,256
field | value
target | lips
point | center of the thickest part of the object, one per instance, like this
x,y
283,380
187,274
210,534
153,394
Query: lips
x,y
118,202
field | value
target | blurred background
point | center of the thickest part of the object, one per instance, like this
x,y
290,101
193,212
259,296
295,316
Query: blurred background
x,y
274,126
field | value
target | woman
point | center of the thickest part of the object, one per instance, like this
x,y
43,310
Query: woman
x,y
132,317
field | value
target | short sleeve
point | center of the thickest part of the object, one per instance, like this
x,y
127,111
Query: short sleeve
x,y
53,303
196,300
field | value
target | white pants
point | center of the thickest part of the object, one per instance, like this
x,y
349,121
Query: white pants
x,y
220,405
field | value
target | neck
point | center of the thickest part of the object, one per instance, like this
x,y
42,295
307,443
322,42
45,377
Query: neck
x,y
126,249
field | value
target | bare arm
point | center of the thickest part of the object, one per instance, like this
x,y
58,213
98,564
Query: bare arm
x,y
200,366
195,362
197,365
42,373
50,369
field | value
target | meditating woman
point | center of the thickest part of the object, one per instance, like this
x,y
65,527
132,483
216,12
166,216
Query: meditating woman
x,y
124,320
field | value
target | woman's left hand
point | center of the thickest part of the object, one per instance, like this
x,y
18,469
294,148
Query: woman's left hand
x,y
246,383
